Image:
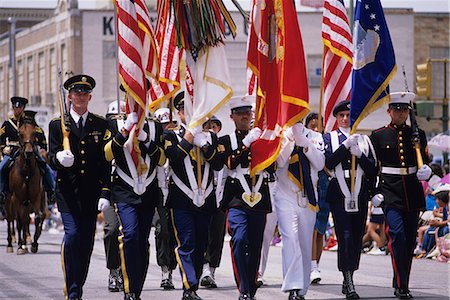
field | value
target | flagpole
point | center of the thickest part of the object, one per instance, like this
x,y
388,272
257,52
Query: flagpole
x,y
116,43
320,125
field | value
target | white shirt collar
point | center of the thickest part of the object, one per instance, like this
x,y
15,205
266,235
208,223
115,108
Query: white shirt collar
x,y
76,116
345,131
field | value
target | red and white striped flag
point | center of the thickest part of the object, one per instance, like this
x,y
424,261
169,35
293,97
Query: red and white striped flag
x,y
337,59
133,59
167,82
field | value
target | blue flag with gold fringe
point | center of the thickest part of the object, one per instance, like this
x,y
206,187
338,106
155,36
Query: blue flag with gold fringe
x,y
373,61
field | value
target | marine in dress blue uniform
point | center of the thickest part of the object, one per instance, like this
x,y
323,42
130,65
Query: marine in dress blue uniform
x,y
246,215
349,211
191,205
82,176
135,196
400,187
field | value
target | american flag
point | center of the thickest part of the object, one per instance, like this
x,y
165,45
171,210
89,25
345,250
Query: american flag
x,y
134,59
167,82
337,59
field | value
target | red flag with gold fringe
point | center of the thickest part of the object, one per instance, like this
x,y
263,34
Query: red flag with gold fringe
x,y
276,57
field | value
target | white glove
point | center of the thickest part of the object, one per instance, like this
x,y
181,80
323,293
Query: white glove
x,y
298,129
142,135
352,140
377,200
195,130
103,204
252,136
355,150
301,140
200,139
130,121
65,158
424,173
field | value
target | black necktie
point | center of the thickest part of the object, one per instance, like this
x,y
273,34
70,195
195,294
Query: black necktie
x,y
80,126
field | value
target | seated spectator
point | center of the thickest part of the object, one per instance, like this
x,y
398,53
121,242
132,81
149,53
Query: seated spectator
x,y
438,225
375,231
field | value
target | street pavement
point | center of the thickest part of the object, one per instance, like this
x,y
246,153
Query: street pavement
x,y
39,276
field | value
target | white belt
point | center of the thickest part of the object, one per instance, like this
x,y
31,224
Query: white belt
x,y
133,184
398,171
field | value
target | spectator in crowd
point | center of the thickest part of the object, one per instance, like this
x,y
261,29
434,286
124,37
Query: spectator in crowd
x,y
375,231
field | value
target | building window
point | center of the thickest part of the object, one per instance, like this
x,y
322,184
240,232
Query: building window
x,y
52,78
30,75
41,76
20,80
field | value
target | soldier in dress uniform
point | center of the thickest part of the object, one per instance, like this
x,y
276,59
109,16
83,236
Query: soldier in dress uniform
x,y
246,205
296,203
191,198
349,209
116,118
82,176
216,229
9,144
400,190
164,234
135,194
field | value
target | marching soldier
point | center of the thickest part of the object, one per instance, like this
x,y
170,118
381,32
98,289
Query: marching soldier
x,y
82,176
400,190
296,202
349,209
247,206
216,229
164,234
191,198
9,144
116,118
135,194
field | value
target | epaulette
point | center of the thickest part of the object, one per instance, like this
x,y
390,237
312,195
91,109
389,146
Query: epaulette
x,y
381,129
56,119
39,129
99,116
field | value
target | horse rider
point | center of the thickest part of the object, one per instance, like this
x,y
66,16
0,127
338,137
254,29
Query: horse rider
x,y
82,180
9,144
164,234
135,194
116,117
349,208
296,202
246,205
400,191
191,198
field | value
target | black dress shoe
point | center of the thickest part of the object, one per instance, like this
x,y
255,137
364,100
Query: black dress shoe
x,y
131,296
167,284
244,296
115,281
344,287
190,295
295,295
403,294
208,282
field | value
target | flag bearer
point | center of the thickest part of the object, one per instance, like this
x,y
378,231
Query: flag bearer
x,y
349,209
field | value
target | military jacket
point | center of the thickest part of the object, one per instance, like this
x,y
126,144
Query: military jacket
x,y
151,152
237,159
79,187
395,152
343,156
183,171
9,135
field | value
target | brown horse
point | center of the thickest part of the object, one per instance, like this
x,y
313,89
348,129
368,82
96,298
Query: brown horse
x,y
26,191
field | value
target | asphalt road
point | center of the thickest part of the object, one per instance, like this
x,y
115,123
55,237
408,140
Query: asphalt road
x,y
39,276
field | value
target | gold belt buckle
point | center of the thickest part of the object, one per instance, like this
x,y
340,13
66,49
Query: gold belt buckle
x,y
403,171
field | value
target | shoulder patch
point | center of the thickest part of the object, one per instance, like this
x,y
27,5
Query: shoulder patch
x,y
167,144
107,135
221,148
